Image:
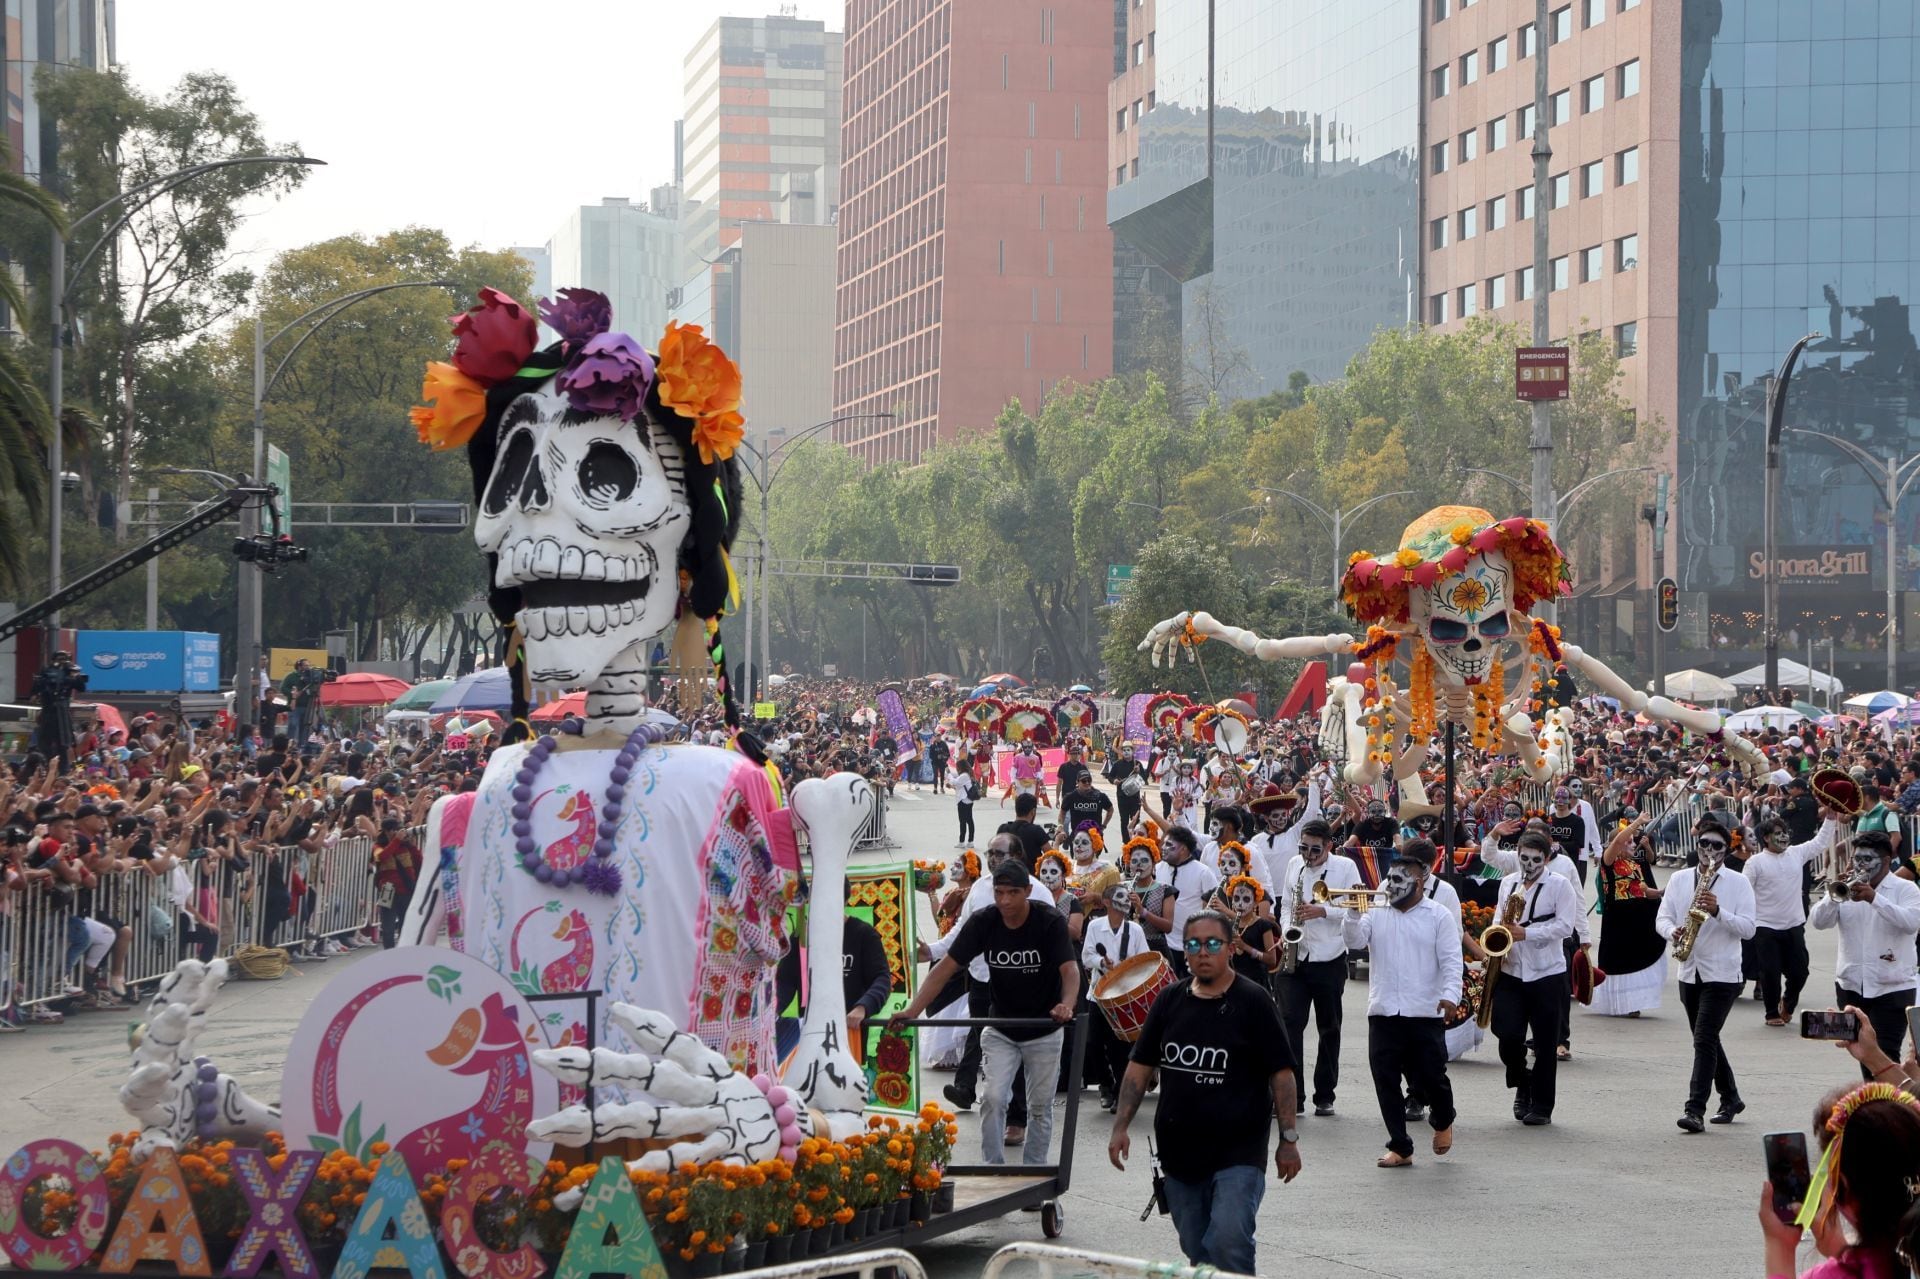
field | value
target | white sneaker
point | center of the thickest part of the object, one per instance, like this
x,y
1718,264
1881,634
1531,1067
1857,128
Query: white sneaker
x,y
311,954
335,948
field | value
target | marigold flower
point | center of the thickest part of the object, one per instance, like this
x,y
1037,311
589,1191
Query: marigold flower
x,y
698,381
458,405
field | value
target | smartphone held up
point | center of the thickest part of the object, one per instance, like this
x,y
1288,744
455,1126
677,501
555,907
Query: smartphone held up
x,y
1788,1172
1837,1026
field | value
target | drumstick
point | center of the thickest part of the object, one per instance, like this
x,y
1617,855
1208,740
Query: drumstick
x,y
1100,949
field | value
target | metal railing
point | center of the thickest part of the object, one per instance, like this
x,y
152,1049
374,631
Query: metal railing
x,y
865,1264
203,909
1051,1259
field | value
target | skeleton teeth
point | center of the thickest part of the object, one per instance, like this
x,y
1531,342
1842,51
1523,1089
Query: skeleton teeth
x,y
616,569
523,560
595,567
596,618
577,620
546,558
535,622
572,561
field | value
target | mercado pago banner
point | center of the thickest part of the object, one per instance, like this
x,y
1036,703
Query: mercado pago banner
x,y
1135,726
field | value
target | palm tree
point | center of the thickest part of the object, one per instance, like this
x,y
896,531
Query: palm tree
x,y
26,422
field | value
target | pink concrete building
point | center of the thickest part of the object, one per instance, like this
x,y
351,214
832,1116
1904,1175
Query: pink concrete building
x,y
975,262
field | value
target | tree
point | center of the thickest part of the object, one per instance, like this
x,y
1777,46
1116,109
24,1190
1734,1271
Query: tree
x,y
169,276
1171,574
26,420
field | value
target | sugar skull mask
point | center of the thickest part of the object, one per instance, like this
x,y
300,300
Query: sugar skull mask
x,y
586,516
1082,847
1141,864
1243,901
1049,873
1532,862
1465,618
1402,883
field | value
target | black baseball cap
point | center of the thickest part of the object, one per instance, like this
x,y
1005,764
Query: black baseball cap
x,y
1011,874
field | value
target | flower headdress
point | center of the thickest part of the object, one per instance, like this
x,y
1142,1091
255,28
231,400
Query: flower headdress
x,y
690,391
1141,843
1054,855
1819,1203
969,863
1238,849
1094,837
1248,882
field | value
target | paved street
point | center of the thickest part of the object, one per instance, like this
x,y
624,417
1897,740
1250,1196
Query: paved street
x,y
1612,1189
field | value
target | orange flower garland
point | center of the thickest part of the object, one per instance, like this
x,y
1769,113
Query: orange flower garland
x,y
698,381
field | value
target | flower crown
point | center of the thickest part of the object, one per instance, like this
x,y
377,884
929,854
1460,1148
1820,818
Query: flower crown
x,y
969,862
1238,882
603,373
1054,855
1237,848
1151,847
1819,1202
1439,545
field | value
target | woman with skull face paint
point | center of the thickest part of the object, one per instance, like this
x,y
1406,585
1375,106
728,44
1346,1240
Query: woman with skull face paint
x,y
1256,944
1710,977
1878,922
1152,901
1633,951
1530,1002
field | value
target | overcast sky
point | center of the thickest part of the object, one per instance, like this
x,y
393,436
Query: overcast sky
x,y
486,118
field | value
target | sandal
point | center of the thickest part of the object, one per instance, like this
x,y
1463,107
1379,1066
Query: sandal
x,y
1393,1160
1442,1141
1563,1053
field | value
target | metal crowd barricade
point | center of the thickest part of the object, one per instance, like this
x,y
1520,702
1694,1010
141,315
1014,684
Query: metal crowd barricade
x,y
210,908
874,833
867,1265
1051,1259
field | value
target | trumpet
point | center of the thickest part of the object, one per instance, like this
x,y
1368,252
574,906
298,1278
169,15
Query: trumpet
x,y
1356,899
1842,889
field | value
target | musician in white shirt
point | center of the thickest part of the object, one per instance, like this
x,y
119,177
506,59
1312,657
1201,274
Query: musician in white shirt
x,y
1191,880
1435,888
1878,922
1530,999
1110,937
1780,912
1280,843
1710,980
1319,978
1559,862
1413,981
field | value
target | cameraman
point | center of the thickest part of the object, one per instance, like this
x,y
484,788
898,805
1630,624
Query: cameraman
x,y
301,688
54,688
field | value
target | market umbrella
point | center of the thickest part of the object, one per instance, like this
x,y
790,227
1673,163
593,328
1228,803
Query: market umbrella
x,y
1900,716
574,703
939,677
1697,686
422,696
1759,717
1831,722
363,688
1080,688
1005,680
1237,704
110,718
486,690
1873,703
1810,710
985,690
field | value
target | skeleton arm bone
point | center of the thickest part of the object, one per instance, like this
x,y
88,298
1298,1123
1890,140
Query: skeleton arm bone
x,y
1165,635
1660,708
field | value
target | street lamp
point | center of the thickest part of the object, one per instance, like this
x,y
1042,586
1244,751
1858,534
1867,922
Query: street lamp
x,y
252,580
1559,505
1770,581
771,463
1895,477
1335,520
61,284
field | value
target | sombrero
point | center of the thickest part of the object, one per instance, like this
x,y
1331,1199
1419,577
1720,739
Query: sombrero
x,y
1439,545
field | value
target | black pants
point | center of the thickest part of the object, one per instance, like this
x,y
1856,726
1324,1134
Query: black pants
x,y
1708,1004
1129,809
1780,954
1417,1048
1166,803
1316,987
1107,1053
966,1078
1524,1010
966,822
391,917
1886,1013
1570,947
939,777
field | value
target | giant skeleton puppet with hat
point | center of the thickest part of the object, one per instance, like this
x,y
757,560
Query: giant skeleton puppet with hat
x,y
1455,602
606,498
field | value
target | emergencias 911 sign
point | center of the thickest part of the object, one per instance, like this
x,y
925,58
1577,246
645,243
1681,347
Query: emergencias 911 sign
x,y
1542,372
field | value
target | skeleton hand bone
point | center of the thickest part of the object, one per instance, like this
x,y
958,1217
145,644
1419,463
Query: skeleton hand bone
x,y
696,1094
170,1092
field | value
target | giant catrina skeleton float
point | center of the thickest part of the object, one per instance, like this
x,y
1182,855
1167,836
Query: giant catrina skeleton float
x,y
607,497
1455,603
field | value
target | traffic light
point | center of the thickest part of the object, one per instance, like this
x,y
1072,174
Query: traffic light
x,y
1667,611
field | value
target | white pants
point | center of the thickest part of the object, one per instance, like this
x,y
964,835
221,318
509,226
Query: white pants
x,y
99,941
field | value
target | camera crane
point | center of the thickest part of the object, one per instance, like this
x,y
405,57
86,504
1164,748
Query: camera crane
x,y
267,550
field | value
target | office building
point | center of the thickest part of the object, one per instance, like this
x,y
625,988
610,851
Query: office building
x,y
540,262
1263,165
760,137
785,341
35,35
628,251
975,264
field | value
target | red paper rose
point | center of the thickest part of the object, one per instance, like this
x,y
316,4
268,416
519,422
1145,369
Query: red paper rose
x,y
491,341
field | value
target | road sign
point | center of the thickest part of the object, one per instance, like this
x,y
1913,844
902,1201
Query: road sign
x,y
1667,597
1119,577
1542,372
280,473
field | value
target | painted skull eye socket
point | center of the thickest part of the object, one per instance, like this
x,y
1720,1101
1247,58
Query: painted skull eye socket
x,y
1445,630
510,473
607,473
1496,627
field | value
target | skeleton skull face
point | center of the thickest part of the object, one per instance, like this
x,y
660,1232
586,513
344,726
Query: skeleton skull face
x,y
1402,883
1049,873
1213,828
1465,618
1122,899
1532,862
1082,847
1231,864
1141,864
1868,865
586,516
1243,901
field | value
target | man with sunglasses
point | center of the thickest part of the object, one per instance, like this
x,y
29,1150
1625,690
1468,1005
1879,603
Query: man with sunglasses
x,y
1530,1000
1320,977
1710,977
1225,1070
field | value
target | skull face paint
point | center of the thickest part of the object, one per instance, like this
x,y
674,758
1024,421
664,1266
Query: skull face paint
x,y
1141,864
1465,618
1532,862
1122,899
1082,847
1401,884
586,517
1313,852
1049,873
1230,864
1376,808
1868,865
1512,813
1243,902
1778,839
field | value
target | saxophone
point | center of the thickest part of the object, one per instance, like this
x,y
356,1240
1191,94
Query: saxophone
x,y
1293,934
1496,941
1696,916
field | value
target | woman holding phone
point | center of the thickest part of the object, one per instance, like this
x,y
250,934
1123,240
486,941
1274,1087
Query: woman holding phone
x,y
1864,1189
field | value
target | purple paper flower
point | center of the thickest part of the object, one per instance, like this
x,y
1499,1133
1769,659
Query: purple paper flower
x,y
578,317
609,377
601,878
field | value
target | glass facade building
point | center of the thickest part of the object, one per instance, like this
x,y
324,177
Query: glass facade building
x,y
1799,207
1277,181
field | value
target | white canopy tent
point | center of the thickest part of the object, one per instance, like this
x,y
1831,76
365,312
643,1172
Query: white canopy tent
x,y
1792,675
1698,686
1763,717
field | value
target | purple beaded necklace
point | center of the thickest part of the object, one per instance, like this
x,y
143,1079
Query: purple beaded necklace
x,y
599,875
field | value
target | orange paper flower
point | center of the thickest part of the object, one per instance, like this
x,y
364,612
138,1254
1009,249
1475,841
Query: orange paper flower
x,y
457,405
698,381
